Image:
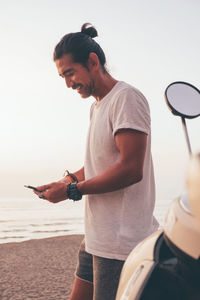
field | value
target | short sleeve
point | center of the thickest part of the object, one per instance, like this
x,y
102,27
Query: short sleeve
x,y
130,110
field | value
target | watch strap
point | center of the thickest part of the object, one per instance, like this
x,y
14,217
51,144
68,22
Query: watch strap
x,y
73,193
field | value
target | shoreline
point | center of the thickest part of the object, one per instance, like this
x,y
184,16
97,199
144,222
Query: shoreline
x,y
40,269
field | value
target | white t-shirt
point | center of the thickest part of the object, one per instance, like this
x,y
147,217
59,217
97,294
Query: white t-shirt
x,y
116,222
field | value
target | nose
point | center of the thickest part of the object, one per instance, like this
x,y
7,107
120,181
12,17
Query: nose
x,y
68,82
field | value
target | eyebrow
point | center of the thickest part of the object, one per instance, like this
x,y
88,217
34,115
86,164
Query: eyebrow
x,y
66,71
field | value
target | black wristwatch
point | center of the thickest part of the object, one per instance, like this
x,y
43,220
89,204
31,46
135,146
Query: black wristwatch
x,y
73,193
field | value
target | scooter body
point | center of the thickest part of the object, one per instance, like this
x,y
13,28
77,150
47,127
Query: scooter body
x,y
165,265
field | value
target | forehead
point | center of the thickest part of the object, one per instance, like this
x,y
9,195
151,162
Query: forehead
x,y
64,63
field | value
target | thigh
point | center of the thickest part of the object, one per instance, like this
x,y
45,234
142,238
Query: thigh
x,y
106,274
84,268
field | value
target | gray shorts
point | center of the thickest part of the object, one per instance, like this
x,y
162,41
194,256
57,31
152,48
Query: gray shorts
x,y
104,273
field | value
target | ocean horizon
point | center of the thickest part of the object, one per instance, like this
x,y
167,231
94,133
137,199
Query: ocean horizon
x,y
32,218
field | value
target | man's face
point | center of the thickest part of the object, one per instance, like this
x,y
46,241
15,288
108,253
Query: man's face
x,y
76,75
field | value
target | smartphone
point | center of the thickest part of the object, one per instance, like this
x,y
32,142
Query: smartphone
x,y
31,187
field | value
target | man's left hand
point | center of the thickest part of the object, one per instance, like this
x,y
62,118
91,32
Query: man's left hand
x,y
53,192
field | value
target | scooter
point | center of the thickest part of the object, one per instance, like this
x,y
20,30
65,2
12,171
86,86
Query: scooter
x,y
166,265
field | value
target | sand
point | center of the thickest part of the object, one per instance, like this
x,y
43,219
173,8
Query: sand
x,y
38,269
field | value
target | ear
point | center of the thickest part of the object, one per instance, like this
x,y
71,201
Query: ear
x,y
93,61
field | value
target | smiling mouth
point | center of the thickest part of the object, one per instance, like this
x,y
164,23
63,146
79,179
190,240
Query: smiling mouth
x,y
77,87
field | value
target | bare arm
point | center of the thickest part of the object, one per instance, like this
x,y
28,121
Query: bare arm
x,y
128,170
80,175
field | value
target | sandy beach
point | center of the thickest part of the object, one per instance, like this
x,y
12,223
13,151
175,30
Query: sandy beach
x,y
38,269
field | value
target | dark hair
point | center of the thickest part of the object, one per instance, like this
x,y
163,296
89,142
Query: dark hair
x,y
80,45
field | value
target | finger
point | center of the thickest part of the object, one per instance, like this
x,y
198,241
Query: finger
x,y
53,196
42,188
41,196
45,187
36,192
56,200
56,191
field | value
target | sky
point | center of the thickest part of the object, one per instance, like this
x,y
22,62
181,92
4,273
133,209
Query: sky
x,y
43,125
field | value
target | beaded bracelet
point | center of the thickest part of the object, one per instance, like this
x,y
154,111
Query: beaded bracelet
x,y
72,176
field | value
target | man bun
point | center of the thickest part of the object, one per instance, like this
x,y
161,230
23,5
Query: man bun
x,y
90,30
79,45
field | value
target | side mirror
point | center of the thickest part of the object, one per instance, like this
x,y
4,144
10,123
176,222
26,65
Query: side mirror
x,y
183,99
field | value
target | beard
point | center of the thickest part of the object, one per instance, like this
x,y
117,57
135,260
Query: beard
x,y
85,90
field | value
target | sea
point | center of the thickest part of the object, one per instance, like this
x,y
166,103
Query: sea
x,y
24,219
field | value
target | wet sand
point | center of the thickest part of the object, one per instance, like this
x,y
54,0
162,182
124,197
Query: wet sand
x,y
38,269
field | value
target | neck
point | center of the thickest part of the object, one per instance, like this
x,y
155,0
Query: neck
x,y
103,85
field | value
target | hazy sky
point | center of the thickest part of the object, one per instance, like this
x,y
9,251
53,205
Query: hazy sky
x,y
43,125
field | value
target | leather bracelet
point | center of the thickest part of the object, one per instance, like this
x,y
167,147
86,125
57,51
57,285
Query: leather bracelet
x,y
73,193
72,176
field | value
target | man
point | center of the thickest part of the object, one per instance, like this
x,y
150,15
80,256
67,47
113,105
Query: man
x,y
117,177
